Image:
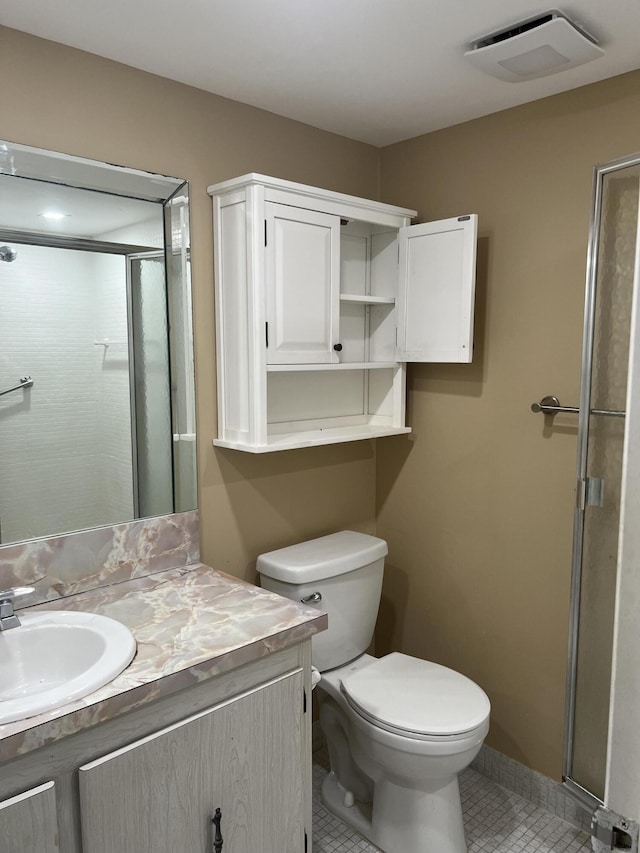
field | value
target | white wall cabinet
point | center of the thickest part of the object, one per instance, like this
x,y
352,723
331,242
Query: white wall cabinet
x,y
28,821
321,299
243,756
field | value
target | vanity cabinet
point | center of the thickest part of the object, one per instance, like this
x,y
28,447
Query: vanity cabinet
x,y
150,780
321,299
28,822
242,756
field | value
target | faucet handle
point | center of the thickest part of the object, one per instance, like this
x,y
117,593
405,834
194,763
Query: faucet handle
x,y
16,592
8,618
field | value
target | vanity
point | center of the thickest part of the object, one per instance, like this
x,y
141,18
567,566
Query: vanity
x,y
214,712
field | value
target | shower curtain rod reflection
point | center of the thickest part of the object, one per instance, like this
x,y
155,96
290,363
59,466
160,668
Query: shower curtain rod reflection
x,y
80,244
26,382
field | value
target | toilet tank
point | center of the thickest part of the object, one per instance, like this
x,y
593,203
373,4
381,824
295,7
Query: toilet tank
x,y
345,570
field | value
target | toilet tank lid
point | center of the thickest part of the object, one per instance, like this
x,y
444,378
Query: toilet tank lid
x,y
320,558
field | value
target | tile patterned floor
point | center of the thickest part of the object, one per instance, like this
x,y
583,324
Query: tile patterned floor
x,y
496,821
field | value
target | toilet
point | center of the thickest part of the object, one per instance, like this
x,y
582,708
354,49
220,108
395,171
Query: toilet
x,y
398,729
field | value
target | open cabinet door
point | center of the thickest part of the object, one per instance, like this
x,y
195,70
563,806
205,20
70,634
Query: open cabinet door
x,y
436,290
622,789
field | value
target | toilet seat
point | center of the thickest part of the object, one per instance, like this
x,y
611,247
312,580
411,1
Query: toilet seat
x,y
415,698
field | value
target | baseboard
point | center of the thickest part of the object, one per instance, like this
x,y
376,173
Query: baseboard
x,y
533,786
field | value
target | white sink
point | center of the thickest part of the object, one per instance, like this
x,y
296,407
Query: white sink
x,y
55,657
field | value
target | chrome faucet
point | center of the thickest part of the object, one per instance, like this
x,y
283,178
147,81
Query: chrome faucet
x,y
8,618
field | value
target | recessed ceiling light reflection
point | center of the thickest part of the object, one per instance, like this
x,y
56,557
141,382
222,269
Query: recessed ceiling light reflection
x,y
54,215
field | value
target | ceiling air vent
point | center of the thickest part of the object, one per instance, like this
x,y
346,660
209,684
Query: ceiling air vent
x,y
534,48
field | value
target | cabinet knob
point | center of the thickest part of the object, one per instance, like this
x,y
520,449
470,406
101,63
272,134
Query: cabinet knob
x,y
337,347
217,838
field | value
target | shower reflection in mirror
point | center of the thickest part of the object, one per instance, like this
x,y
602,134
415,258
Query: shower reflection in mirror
x,y
95,306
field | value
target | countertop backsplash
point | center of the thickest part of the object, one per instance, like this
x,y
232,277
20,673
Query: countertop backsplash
x,y
64,565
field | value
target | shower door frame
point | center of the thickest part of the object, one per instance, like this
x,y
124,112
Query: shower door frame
x,y
587,798
131,259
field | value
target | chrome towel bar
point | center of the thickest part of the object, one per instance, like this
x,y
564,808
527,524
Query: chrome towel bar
x,y
551,406
25,382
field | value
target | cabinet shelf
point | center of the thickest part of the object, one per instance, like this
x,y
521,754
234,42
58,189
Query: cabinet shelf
x,y
313,438
367,299
347,365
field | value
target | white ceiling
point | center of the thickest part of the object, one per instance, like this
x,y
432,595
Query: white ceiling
x,y
375,70
88,214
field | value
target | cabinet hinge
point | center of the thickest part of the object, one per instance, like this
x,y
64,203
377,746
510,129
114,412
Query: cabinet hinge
x,y
304,701
265,232
266,334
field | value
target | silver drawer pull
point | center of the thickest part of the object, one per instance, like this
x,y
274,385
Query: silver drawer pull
x,y
311,599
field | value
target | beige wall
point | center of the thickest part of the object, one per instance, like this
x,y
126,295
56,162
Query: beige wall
x,y
71,101
477,503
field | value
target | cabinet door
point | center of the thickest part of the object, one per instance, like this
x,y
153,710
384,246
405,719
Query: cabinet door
x,y
244,757
28,822
436,290
303,288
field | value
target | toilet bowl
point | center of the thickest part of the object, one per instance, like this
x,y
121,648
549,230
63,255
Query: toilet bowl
x,y
414,801
398,729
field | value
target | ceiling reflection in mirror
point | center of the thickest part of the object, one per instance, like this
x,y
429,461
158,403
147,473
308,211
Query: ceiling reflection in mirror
x,y
97,400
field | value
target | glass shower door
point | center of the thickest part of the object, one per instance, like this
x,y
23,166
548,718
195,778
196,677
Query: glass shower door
x,y
600,464
152,442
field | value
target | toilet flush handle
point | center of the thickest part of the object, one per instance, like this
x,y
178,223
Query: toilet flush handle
x,y
312,599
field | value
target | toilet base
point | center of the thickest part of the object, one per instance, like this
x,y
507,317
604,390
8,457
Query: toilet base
x,y
402,820
336,798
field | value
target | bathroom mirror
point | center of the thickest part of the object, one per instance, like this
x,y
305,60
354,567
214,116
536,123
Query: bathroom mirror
x,y
97,400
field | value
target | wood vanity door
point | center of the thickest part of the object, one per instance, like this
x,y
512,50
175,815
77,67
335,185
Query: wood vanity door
x,y
28,822
244,756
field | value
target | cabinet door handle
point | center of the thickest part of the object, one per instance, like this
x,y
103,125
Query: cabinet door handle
x,y
337,347
217,838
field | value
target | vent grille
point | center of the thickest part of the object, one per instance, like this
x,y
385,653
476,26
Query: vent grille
x,y
516,30
525,27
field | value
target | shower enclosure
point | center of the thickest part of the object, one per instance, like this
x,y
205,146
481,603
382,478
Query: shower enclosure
x,y
611,282
98,439
92,329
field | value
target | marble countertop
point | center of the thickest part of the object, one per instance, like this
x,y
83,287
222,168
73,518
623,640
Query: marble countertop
x,y
190,624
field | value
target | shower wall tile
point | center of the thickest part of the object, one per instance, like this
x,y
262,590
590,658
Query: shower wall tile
x,y
77,562
65,444
47,433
